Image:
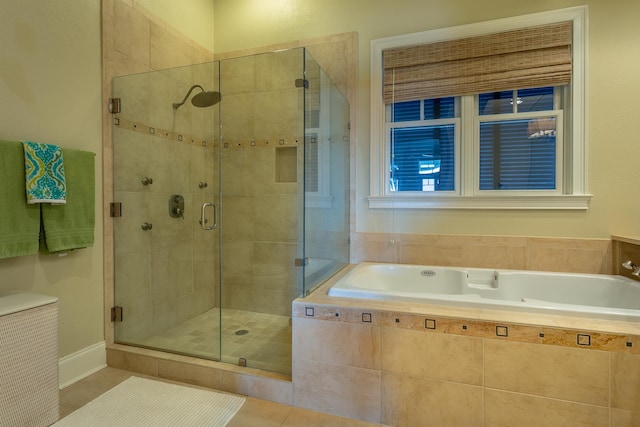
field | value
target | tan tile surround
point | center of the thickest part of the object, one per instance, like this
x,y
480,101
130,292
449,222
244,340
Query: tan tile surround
x,y
573,255
417,364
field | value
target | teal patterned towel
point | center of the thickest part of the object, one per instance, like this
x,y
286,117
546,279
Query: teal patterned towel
x,y
44,173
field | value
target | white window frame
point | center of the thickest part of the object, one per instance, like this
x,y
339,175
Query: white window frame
x,y
572,195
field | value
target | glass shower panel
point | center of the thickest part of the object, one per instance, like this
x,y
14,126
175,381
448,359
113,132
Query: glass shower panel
x,y
327,207
232,179
165,169
261,198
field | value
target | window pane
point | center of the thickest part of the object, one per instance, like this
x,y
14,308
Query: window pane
x,y
538,99
422,158
495,103
518,155
406,111
440,108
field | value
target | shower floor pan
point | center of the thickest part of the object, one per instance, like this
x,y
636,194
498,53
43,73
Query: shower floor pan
x,y
263,340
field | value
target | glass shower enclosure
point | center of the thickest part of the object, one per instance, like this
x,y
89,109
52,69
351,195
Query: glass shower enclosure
x,y
231,179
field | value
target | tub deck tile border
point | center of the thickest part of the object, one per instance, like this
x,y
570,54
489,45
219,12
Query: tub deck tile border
x,y
565,337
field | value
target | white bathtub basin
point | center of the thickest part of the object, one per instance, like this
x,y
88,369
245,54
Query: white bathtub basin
x,y
587,295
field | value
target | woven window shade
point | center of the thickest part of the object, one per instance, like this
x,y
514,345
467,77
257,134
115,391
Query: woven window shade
x,y
517,59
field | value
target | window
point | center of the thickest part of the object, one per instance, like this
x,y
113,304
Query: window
x,y
421,138
520,149
486,147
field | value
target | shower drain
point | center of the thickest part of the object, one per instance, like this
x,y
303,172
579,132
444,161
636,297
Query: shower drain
x,y
242,332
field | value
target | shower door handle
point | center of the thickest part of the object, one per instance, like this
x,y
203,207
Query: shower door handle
x,y
203,220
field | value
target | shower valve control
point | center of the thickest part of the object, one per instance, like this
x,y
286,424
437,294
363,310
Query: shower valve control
x,y
176,206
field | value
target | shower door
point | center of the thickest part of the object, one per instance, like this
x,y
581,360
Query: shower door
x,y
165,169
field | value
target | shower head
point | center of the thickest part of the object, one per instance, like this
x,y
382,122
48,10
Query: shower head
x,y
203,99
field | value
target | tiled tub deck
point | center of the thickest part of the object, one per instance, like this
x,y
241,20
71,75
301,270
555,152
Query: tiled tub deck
x,y
403,364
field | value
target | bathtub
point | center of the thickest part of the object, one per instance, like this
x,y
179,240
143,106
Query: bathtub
x,y
585,295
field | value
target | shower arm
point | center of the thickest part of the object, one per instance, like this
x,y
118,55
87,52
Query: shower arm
x,y
176,105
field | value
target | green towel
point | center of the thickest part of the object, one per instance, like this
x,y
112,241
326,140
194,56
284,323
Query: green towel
x,y
19,222
70,226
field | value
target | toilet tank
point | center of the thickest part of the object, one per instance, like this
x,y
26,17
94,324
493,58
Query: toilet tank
x,y
28,360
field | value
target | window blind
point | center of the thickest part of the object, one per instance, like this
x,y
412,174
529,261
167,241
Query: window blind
x,y
522,58
511,161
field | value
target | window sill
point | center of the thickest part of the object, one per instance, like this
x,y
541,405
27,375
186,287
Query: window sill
x,y
564,202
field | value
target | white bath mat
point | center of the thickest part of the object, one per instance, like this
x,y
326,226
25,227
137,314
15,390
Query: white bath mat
x,y
139,402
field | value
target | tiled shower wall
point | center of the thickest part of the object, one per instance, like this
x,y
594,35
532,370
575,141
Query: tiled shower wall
x,y
135,41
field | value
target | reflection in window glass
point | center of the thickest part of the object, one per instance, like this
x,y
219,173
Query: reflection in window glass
x,y
526,100
439,108
537,99
495,103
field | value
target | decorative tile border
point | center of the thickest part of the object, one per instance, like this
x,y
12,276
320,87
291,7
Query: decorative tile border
x,y
289,141
162,133
474,328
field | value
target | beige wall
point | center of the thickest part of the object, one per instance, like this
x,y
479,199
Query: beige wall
x,y
50,92
613,67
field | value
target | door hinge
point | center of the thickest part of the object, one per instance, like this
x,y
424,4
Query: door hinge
x,y
115,210
115,105
116,314
301,262
302,83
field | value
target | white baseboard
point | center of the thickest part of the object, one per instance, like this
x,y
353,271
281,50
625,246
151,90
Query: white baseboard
x,y
81,364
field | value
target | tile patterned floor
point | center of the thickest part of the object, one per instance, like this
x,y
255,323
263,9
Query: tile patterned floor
x,y
254,412
266,345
